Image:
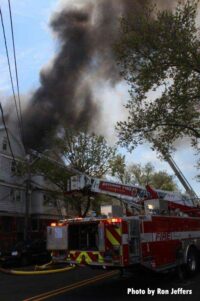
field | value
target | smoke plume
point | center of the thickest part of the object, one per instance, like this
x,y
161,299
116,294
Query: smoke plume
x,y
85,34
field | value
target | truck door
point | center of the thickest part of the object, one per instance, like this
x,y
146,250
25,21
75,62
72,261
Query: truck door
x,y
113,242
134,240
101,237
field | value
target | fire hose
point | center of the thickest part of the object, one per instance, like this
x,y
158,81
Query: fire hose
x,y
42,270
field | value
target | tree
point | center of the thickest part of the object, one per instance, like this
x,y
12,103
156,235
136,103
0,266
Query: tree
x,y
119,169
87,153
143,175
159,55
162,180
80,152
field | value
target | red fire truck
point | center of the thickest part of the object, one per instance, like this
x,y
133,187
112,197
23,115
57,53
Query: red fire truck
x,y
162,233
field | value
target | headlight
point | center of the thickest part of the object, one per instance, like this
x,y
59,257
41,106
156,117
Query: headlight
x,y
14,253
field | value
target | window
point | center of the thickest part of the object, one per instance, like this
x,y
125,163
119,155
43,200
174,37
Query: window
x,y
4,144
15,195
35,225
13,166
48,201
12,195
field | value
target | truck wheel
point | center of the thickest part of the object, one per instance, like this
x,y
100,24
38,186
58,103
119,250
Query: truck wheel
x,y
192,261
180,269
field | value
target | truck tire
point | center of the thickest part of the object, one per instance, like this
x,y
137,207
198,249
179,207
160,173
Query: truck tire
x,y
180,269
192,262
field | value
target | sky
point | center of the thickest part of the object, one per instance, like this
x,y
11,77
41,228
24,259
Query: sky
x,y
36,46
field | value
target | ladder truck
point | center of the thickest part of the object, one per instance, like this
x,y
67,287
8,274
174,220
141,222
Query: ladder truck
x,y
162,233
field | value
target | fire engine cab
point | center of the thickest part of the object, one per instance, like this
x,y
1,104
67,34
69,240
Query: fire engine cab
x,y
160,234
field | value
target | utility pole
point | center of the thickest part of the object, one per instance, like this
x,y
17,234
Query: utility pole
x,y
28,193
27,201
35,157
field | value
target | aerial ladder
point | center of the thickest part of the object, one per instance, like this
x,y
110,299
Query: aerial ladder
x,y
188,188
129,195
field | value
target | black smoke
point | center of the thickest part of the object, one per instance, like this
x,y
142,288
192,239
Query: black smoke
x,y
85,41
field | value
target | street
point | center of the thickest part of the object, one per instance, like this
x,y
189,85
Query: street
x,y
88,284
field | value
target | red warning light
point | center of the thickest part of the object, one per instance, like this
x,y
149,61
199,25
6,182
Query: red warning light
x,y
115,220
53,224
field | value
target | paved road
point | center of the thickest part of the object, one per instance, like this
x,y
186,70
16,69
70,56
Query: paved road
x,y
85,284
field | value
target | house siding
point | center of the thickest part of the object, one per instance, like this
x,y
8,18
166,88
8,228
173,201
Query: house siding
x,y
13,195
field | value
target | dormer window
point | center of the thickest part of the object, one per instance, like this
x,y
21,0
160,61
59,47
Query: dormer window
x,y
4,144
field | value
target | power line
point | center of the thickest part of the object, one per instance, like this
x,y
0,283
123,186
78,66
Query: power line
x,y
8,138
15,60
9,66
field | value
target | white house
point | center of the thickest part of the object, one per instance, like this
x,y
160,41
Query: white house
x,y
13,193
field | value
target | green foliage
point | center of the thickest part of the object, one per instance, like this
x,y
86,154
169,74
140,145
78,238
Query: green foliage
x,y
118,168
143,175
72,152
159,56
55,173
161,180
87,153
